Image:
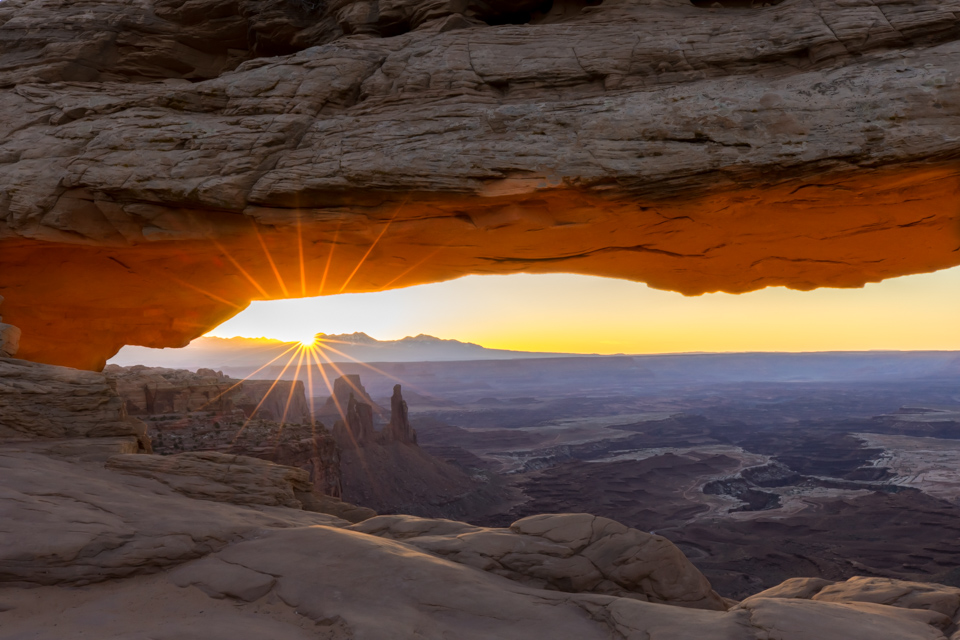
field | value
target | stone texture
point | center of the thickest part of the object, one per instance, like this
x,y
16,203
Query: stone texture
x,y
576,553
940,603
219,579
158,390
343,387
67,522
151,560
321,503
266,577
220,477
806,144
808,620
399,429
355,430
209,475
207,411
9,338
43,401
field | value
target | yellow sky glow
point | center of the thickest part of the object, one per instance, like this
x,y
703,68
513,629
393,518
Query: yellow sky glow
x,y
583,314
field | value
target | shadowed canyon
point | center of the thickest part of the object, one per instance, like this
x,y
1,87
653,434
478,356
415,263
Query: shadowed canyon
x,y
164,163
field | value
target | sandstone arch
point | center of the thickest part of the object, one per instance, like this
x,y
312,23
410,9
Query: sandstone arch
x,y
158,173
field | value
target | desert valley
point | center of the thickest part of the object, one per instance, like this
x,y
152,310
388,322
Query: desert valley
x,y
759,467
702,257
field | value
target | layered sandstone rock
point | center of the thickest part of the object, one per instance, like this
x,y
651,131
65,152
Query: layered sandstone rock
x,y
66,522
150,558
157,551
209,475
220,477
399,429
9,340
48,403
385,470
356,428
344,387
936,603
158,390
811,143
577,553
207,411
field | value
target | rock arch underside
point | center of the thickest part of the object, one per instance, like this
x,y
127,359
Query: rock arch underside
x,y
163,163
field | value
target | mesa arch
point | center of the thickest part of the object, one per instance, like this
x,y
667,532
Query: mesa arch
x,y
160,172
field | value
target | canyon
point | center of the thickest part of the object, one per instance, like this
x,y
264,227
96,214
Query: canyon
x,y
163,163
127,543
376,466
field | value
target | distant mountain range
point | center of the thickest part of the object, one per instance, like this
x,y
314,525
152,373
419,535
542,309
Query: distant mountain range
x,y
245,352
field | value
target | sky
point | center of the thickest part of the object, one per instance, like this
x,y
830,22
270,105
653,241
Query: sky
x,y
585,314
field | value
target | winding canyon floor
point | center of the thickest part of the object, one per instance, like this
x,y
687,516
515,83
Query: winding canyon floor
x,y
757,482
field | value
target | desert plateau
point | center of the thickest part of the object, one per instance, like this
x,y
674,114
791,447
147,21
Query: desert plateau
x,y
664,295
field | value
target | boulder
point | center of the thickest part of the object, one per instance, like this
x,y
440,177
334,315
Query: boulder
x,y
9,340
575,553
942,601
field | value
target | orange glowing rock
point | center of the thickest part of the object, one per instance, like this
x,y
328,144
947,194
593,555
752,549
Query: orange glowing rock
x,y
78,304
692,149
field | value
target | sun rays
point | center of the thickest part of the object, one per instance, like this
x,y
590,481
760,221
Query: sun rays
x,y
310,359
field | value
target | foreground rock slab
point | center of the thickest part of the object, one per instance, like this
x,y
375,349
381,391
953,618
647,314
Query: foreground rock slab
x,y
157,564
75,523
565,552
150,547
221,477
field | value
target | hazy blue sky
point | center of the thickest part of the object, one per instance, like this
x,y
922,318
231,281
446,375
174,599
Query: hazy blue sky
x,y
597,315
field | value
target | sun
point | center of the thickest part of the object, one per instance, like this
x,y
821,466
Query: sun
x,y
309,341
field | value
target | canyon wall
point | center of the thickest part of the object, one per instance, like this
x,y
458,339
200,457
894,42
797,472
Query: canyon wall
x,y
189,411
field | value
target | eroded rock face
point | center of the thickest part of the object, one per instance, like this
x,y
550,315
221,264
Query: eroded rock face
x,y
67,522
399,429
160,391
811,143
935,598
43,402
152,558
9,338
577,553
207,411
156,550
220,477
209,475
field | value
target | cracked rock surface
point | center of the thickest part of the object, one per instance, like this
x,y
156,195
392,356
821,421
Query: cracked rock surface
x,y
42,402
574,552
221,477
159,158
157,564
